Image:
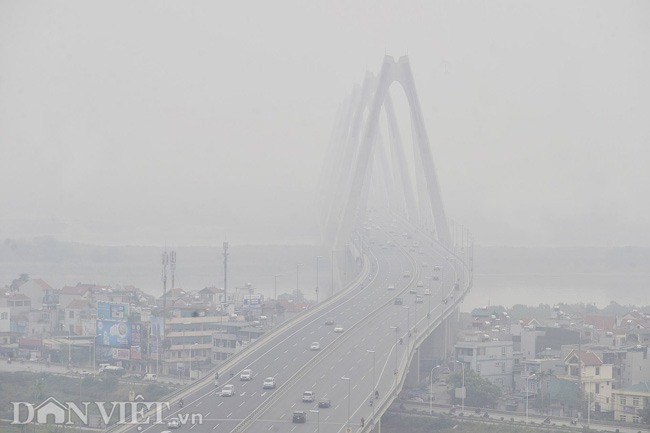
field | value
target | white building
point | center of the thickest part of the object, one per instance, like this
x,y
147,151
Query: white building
x,y
492,360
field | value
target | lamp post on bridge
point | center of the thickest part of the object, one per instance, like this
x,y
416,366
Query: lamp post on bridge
x,y
298,277
349,389
317,259
374,385
408,321
431,390
396,330
317,412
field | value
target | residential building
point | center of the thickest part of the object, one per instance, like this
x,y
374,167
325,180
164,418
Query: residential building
x,y
629,401
492,360
594,376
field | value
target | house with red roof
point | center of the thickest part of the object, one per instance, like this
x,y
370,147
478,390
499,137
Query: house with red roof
x,y
595,377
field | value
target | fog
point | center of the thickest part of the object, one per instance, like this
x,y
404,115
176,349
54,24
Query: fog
x,y
190,123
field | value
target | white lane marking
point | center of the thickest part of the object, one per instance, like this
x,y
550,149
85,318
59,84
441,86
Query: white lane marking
x,y
241,404
199,403
243,393
255,392
270,428
327,417
277,357
193,425
323,376
351,368
281,416
304,351
294,427
220,404
215,427
287,350
229,415
206,415
266,366
334,386
294,359
354,387
293,405
263,394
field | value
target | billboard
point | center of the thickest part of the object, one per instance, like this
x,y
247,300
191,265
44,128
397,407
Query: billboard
x,y
115,334
154,348
136,334
136,352
122,354
252,301
112,311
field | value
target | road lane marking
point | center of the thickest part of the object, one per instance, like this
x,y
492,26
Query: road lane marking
x,y
229,415
213,428
199,403
220,404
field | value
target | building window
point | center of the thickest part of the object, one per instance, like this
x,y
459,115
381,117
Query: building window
x,y
635,401
635,419
623,401
503,367
503,351
71,314
622,418
597,388
597,371
5,316
478,368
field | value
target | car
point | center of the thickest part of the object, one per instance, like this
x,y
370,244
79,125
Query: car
x,y
173,423
418,299
150,376
329,321
437,268
308,396
324,402
427,292
246,374
420,284
315,346
299,416
406,274
391,287
436,278
425,265
456,286
338,329
413,291
398,301
228,390
269,383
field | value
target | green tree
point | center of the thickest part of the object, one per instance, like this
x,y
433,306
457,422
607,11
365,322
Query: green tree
x,y
480,391
644,414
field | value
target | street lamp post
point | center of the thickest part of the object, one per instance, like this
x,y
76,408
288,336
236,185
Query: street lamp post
x,y
374,385
395,328
408,321
332,282
191,360
298,276
527,379
317,259
462,364
349,381
317,412
431,390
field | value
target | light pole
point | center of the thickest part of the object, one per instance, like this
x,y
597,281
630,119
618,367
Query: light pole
x,y
275,285
95,353
431,390
429,308
157,354
527,379
462,364
69,337
298,277
332,282
191,360
396,329
408,321
349,381
374,386
317,412
317,259
184,325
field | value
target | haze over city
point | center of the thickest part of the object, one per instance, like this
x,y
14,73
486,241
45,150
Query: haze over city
x,y
158,122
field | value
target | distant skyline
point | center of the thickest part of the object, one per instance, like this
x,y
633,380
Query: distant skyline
x,y
192,123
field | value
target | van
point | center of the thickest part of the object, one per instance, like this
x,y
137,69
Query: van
x,y
150,376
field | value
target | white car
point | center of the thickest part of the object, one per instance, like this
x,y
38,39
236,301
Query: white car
x,y
228,391
338,329
391,287
315,346
246,374
420,284
269,383
173,423
427,292
308,396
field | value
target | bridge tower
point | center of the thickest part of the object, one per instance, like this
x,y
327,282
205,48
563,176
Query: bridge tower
x,y
357,154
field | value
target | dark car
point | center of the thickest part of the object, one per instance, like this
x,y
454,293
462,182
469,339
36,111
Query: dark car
x,y
299,416
398,301
324,402
329,321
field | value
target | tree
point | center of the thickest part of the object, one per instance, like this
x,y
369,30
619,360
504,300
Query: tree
x,y
480,391
644,414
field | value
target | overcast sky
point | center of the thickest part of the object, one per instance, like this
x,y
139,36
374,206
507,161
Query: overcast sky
x,y
191,122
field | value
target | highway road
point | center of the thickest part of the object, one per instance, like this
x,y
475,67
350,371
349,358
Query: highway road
x,y
366,313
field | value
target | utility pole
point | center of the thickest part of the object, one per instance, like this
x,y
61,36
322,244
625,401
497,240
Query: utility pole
x,y
173,266
225,273
165,262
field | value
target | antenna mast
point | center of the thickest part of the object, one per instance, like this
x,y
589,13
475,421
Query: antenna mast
x,y
165,261
225,272
173,266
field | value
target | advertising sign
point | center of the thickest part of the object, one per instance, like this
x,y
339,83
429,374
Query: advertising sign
x,y
136,352
122,354
253,301
136,334
154,348
115,334
112,311
158,327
